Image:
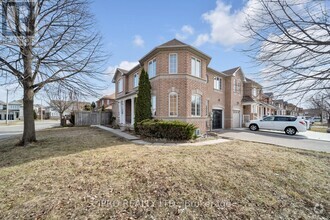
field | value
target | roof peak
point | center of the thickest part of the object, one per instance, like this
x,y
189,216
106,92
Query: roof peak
x,y
172,43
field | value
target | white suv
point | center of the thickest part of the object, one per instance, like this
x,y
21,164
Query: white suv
x,y
289,124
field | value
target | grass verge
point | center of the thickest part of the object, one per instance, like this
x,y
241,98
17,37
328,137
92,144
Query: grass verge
x,y
88,173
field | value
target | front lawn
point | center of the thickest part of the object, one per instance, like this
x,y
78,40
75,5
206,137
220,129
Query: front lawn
x,y
88,173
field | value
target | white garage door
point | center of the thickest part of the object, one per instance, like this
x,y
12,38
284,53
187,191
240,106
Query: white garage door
x,y
236,119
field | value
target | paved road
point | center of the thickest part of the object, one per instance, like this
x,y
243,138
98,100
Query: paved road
x,y
17,129
300,141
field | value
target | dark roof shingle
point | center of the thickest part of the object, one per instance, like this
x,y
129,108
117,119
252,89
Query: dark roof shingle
x,y
173,43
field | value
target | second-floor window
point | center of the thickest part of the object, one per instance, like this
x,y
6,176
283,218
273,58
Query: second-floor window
x,y
173,63
152,68
254,91
217,83
136,80
120,85
196,104
237,86
196,67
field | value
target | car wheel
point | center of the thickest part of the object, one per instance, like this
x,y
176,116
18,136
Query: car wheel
x,y
254,127
290,131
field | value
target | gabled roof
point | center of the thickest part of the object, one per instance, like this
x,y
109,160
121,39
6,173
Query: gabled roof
x,y
174,44
122,70
215,71
119,71
2,103
247,99
112,96
16,102
252,81
232,71
269,94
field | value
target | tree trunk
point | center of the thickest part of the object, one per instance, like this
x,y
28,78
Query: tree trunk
x,y
29,133
61,119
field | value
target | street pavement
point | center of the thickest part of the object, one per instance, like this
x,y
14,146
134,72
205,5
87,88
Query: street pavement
x,y
17,128
309,140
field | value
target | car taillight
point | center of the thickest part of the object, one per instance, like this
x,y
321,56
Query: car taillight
x,y
302,122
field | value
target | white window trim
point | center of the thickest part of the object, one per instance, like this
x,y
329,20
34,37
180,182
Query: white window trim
x,y
120,83
254,91
169,104
155,70
169,63
200,67
197,116
219,83
154,110
134,80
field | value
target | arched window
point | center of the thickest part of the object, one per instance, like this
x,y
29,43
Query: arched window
x,y
173,104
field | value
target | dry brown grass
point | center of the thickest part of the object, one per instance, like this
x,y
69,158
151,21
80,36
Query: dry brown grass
x,y
322,129
87,173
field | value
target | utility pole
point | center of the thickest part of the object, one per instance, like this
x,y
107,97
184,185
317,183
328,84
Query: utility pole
x,y
7,109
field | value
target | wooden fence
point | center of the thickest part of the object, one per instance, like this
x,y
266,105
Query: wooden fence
x,y
92,118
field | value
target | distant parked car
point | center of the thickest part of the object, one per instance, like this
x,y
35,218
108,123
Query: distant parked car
x,y
307,121
289,124
317,119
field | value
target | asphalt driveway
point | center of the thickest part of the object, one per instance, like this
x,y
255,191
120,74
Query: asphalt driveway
x,y
308,140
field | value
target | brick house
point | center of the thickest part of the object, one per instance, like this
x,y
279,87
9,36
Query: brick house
x,y
256,104
107,101
184,88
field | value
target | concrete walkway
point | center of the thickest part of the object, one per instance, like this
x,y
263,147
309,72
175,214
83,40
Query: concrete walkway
x,y
136,140
117,132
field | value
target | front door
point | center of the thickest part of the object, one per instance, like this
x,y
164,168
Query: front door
x,y
217,119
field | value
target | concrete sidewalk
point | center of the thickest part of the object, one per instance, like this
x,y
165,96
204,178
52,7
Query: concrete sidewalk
x,y
137,140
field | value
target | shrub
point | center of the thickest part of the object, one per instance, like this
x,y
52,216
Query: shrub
x,y
170,130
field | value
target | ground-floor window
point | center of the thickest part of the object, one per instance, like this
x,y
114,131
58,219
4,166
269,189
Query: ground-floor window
x,y
196,101
173,104
153,105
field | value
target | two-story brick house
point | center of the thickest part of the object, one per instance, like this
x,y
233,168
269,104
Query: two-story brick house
x,y
106,101
184,88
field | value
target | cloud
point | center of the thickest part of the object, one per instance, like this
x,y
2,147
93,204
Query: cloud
x,y
138,41
126,65
185,32
201,39
225,24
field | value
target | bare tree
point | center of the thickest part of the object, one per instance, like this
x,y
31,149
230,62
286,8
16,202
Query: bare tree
x,y
48,41
322,102
291,44
61,99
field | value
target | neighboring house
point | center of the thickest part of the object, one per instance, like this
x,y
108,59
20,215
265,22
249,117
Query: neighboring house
x,y
280,109
184,88
15,110
107,101
40,111
256,104
53,114
292,109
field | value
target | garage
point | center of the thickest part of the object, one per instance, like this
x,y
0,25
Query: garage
x,y
236,119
